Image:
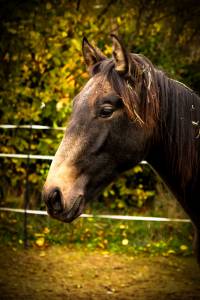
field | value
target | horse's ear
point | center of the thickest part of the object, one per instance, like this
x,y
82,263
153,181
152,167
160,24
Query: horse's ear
x,y
120,55
91,54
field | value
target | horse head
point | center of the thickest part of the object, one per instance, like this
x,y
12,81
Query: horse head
x,y
112,122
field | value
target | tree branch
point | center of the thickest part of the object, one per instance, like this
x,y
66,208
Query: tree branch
x,y
78,5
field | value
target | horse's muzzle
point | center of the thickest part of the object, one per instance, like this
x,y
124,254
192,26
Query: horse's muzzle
x,y
56,207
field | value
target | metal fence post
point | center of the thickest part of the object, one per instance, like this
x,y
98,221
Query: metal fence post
x,y
27,191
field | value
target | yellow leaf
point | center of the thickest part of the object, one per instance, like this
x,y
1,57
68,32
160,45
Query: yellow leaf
x,y
108,50
91,219
119,21
183,248
49,55
122,226
137,169
120,204
42,253
64,34
48,6
40,241
125,242
101,245
38,234
171,251
46,230
84,75
79,286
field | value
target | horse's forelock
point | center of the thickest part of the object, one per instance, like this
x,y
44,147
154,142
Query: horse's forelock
x,y
137,89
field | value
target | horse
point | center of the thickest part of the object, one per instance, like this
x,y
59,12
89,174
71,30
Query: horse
x,y
128,111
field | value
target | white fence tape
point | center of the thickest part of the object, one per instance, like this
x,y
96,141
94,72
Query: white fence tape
x,y
49,157
8,126
31,156
114,217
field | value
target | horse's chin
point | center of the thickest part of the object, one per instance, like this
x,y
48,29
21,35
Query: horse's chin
x,y
68,216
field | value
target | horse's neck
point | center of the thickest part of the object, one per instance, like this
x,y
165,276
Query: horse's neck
x,y
175,152
162,165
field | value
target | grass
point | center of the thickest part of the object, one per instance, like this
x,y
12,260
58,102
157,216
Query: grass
x,y
134,237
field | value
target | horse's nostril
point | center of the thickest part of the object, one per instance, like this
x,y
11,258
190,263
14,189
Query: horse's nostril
x,y
55,201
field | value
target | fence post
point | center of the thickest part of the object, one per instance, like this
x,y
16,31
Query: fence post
x,y
27,194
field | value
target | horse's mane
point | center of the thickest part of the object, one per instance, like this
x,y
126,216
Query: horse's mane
x,y
156,101
180,126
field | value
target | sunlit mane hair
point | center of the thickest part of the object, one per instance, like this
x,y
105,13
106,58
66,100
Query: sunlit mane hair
x,y
155,101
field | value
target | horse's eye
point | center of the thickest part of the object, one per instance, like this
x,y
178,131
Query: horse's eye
x,y
106,111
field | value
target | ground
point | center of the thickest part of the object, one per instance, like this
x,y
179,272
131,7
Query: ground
x,y
63,273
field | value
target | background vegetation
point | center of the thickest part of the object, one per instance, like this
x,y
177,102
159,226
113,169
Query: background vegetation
x,y
42,69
